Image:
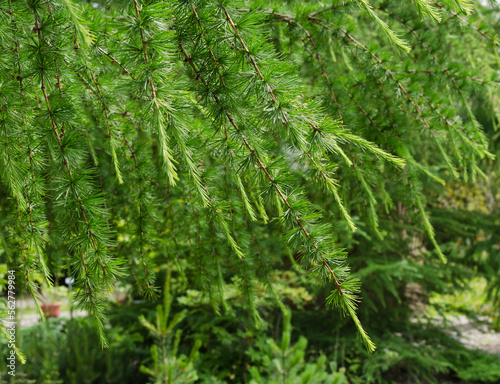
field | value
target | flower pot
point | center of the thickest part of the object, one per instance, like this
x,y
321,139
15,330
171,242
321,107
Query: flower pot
x,y
55,309
52,309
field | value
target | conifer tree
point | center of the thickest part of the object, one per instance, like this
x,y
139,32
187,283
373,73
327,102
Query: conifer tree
x,y
140,132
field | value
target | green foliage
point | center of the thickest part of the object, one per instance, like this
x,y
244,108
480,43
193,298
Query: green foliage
x,y
428,355
140,133
4,314
287,362
315,347
393,37
167,366
68,351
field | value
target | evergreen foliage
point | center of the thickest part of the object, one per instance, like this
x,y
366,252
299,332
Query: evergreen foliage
x,y
288,364
168,367
138,133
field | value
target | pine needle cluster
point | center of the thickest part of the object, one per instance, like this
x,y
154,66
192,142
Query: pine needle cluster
x,y
137,132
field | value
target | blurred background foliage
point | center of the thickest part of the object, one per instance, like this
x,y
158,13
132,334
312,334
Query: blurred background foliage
x,y
409,298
